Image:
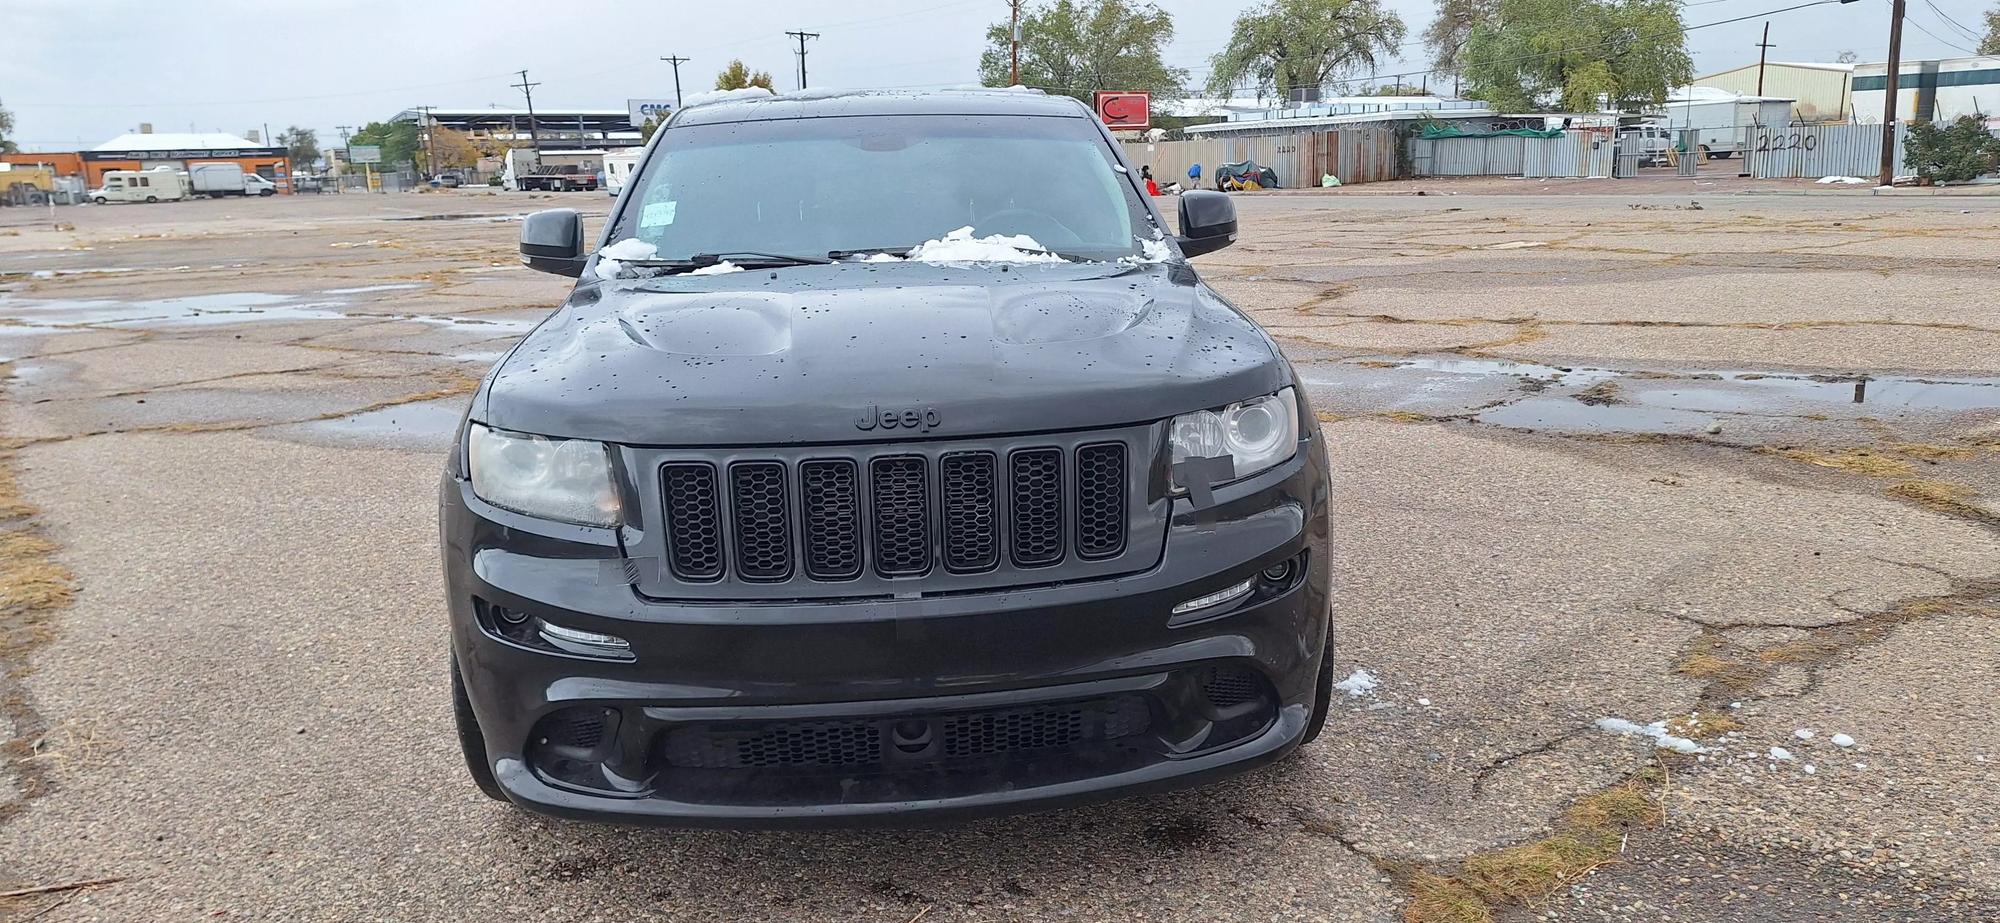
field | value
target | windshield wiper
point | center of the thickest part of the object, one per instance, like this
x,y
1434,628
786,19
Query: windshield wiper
x,y
869,251
739,257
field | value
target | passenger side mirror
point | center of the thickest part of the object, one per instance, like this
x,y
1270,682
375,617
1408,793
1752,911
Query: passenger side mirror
x,y
552,241
1208,222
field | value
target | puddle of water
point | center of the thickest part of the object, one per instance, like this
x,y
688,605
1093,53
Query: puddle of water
x,y
364,289
1739,392
226,308
426,423
1565,413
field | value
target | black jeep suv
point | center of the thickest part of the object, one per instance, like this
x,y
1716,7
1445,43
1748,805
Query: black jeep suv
x,y
889,460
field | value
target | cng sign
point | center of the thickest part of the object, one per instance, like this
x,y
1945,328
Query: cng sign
x,y
1125,111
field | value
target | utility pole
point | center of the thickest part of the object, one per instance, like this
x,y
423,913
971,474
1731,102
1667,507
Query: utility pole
x,y
1014,54
802,36
424,138
344,130
676,61
1763,47
528,90
1888,177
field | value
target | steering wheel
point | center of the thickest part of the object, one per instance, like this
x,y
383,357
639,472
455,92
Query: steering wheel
x,y
1044,228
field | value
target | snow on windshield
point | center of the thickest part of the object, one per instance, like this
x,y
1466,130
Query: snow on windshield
x,y
631,248
961,247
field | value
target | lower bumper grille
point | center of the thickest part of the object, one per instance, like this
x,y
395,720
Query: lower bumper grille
x,y
878,743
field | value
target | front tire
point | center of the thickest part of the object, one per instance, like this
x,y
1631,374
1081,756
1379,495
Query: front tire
x,y
263,192
151,199
472,741
98,199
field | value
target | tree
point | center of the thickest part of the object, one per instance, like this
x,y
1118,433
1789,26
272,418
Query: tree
x,y
738,77
1076,47
7,145
1847,57
647,128
1447,34
1954,153
398,141
302,145
1578,55
1991,43
1304,44
1398,89
452,149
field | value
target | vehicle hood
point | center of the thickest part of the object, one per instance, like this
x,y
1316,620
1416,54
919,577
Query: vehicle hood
x,y
811,354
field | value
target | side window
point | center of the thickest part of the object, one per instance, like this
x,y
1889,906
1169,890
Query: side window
x,y
145,181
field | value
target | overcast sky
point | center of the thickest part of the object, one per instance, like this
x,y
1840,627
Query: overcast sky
x,y
78,72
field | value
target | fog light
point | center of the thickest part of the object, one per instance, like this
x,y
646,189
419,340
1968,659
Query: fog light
x,y
572,638
1279,572
1214,599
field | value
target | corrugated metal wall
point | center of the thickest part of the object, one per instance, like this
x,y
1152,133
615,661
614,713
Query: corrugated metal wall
x,y
1505,155
1572,154
1354,155
1810,152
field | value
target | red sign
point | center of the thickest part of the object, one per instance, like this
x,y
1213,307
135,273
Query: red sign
x,y
1125,111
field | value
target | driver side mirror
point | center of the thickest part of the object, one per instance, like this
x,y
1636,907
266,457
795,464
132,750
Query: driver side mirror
x,y
1208,222
552,241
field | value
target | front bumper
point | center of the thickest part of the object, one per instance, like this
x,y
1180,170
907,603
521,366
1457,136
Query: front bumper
x,y
872,710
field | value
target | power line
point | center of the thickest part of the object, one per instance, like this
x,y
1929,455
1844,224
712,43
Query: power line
x,y
1975,36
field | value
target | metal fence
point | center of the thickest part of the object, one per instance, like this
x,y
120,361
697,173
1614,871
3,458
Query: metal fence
x,y
1571,154
1504,155
1354,155
1814,151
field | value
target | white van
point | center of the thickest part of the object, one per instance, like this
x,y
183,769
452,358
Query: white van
x,y
156,185
618,169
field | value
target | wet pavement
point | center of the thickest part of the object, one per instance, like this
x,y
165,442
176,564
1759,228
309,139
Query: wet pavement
x,y
1592,461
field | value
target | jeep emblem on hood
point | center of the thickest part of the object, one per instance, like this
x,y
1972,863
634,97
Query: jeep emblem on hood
x,y
921,419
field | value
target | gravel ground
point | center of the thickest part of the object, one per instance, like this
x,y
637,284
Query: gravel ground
x,y
1597,455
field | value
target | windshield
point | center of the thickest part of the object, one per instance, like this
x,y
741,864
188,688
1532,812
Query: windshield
x,y
809,187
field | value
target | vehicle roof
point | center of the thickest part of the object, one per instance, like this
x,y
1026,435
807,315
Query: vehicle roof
x,y
831,103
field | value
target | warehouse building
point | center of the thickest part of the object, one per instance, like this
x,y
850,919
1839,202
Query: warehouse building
x,y
145,150
1819,92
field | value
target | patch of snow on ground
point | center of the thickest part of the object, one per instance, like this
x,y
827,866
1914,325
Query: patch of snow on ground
x,y
1657,731
1842,740
717,269
961,247
1358,683
1780,753
1803,733
1842,181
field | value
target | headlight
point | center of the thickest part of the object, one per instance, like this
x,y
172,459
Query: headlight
x,y
568,480
1254,434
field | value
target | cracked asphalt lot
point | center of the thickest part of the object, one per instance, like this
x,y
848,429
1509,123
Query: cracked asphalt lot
x,y
1594,461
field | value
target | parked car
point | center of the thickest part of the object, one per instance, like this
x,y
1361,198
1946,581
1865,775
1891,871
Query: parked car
x,y
910,518
448,180
304,183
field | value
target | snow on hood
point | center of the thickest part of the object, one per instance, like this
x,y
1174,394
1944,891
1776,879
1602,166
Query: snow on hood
x,y
717,269
961,247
